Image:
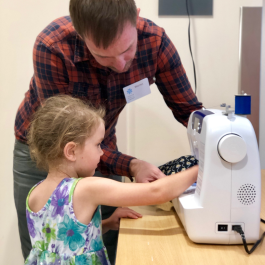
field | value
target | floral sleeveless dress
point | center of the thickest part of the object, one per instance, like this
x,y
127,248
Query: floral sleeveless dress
x,y
57,237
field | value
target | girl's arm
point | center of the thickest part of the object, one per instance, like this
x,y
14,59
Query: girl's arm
x,y
101,191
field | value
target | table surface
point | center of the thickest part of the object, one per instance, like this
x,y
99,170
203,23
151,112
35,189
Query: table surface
x,y
159,238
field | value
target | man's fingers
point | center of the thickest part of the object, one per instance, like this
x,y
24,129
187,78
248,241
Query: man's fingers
x,y
160,175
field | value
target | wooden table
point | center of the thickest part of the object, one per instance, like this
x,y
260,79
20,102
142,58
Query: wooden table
x,y
159,238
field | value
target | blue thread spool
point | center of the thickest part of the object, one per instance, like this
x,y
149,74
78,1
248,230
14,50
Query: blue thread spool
x,y
243,104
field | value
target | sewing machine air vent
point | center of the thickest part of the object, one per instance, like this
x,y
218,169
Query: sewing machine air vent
x,y
246,194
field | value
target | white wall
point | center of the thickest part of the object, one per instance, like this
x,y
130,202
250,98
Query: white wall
x,y
146,128
20,22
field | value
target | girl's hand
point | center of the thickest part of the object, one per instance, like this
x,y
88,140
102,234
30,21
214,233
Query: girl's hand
x,y
113,222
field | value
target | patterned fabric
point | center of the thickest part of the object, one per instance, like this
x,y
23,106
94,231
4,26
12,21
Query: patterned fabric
x,y
178,165
64,65
58,237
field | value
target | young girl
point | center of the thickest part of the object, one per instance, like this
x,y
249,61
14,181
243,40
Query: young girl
x,y
63,212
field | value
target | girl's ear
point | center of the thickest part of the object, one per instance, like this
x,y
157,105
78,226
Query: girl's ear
x,y
70,151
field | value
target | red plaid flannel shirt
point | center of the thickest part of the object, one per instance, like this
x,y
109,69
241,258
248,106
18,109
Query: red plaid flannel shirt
x,y
64,65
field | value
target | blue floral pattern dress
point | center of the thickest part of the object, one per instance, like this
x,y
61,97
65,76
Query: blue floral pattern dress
x,y
57,237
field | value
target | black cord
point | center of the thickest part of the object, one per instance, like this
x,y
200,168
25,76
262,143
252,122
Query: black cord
x,y
194,70
263,221
239,230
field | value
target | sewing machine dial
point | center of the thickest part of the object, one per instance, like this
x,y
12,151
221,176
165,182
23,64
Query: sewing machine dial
x,y
232,148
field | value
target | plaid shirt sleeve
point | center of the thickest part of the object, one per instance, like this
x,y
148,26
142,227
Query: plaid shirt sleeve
x,y
50,74
173,83
114,162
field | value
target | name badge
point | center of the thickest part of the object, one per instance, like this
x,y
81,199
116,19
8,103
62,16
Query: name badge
x,y
137,90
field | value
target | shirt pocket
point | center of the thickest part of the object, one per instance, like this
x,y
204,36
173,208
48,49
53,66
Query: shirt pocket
x,y
86,92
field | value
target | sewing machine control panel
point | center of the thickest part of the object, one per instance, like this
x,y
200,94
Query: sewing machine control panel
x,y
197,120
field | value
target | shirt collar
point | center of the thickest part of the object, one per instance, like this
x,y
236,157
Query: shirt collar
x,y
81,51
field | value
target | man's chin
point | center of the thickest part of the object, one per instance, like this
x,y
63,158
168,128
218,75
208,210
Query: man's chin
x,y
126,68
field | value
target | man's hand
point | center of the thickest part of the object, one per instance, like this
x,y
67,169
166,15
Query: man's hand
x,y
113,222
144,172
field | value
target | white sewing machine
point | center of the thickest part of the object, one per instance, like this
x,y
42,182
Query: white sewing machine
x,y
228,190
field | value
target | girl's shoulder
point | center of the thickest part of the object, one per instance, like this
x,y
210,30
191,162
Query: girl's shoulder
x,y
82,198
42,193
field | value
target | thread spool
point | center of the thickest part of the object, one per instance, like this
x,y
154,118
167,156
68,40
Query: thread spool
x,y
243,104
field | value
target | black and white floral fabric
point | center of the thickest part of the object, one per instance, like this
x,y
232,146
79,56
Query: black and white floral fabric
x,y
177,165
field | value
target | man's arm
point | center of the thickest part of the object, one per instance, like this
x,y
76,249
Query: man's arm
x,y
173,83
144,172
50,73
114,162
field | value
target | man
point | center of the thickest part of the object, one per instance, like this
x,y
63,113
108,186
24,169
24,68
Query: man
x,y
104,47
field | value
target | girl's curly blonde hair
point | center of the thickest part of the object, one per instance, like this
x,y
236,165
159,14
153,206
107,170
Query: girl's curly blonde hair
x,y
60,120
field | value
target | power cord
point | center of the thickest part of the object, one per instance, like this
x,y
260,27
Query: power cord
x,y
238,229
194,70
